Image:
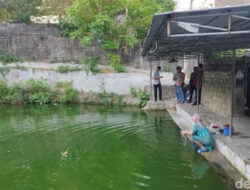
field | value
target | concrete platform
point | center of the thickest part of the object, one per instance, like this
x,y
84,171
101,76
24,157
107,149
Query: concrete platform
x,y
160,105
235,150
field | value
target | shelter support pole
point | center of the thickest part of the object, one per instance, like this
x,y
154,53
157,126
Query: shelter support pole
x,y
232,93
151,87
168,28
198,85
229,24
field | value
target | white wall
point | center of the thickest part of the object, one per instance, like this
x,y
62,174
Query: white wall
x,y
182,5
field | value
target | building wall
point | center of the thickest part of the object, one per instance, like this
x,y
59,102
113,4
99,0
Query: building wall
x,y
183,5
223,3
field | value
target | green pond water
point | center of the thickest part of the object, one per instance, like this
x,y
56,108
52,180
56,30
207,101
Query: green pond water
x,y
97,148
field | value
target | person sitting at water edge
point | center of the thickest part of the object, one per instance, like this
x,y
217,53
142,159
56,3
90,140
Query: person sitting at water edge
x,y
201,136
157,83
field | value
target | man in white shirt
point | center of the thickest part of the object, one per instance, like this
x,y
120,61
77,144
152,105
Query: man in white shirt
x,y
157,83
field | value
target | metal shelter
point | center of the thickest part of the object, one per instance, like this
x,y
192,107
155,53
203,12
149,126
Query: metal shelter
x,y
198,32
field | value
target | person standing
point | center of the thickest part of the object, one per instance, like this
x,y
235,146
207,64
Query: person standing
x,y
180,85
199,84
192,83
157,83
176,86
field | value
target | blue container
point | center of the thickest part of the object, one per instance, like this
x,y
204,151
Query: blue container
x,y
227,130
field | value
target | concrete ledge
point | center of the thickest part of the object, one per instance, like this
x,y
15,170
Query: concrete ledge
x,y
160,105
235,150
227,163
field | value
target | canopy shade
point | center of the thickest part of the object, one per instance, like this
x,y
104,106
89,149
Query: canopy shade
x,y
199,31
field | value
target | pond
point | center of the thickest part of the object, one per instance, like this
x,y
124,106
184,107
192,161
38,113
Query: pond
x,y
97,148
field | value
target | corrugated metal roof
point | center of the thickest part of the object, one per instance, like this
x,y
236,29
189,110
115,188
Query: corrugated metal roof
x,y
207,39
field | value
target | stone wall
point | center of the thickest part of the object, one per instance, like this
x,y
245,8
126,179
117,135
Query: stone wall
x,y
43,42
217,84
216,91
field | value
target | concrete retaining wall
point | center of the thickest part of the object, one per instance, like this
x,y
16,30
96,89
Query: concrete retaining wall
x,y
119,83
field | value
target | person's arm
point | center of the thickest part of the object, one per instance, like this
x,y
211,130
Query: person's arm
x,y
188,132
174,77
191,132
158,77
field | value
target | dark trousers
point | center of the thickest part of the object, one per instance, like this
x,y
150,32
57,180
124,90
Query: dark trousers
x,y
192,88
160,91
199,91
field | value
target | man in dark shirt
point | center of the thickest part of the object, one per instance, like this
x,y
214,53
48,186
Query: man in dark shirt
x,y
192,83
199,84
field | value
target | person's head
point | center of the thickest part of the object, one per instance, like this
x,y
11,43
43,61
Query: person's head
x,y
178,69
200,66
197,119
158,68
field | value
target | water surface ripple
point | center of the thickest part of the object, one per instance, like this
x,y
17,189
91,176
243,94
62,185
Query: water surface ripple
x,y
97,148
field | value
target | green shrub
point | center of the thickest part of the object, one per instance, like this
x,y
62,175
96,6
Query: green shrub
x,y
166,68
144,97
15,94
54,60
4,71
92,65
6,57
106,98
110,45
32,58
65,27
3,91
63,69
63,84
20,10
37,92
69,95
114,62
141,94
133,91
66,69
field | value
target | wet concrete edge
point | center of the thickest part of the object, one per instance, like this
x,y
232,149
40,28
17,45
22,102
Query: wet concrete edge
x,y
225,170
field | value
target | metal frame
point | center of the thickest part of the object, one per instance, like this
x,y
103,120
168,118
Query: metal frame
x,y
225,30
234,22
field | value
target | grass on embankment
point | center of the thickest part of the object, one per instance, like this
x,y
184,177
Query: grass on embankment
x,y
39,92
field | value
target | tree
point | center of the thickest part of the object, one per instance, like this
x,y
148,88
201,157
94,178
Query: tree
x,y
98,20
19,10
54,7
